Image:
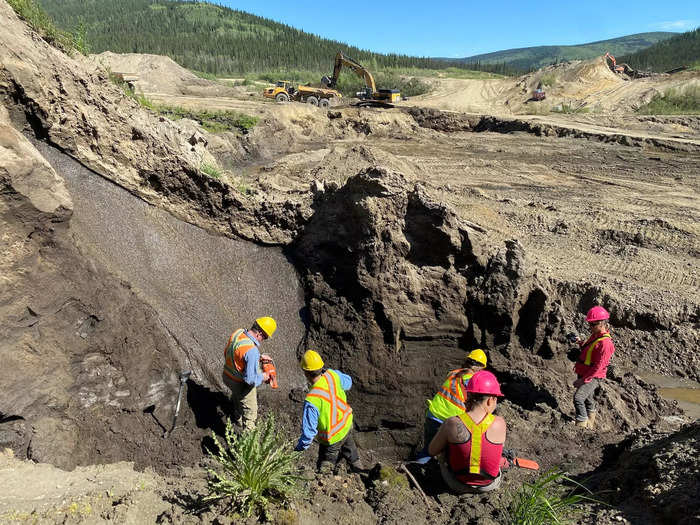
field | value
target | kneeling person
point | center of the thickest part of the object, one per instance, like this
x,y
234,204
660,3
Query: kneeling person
x,y
473,441
327,415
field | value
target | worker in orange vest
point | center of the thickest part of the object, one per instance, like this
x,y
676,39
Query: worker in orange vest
x,y
450,399
592,365
327,415
472,442
242,371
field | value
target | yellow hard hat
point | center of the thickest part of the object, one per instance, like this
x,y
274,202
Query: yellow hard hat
x,y
267,324
311,361
478,355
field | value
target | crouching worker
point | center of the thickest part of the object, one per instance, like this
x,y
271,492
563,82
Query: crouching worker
x,y
472,442
327,415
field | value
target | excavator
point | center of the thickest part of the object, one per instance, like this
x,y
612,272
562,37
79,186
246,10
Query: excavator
x,y
620,68
370,95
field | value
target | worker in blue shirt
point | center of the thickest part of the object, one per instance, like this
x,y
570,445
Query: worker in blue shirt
x,y
242,372
327,415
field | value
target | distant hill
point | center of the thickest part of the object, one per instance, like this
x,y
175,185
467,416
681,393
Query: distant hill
x,y
526,58
214,39
680,50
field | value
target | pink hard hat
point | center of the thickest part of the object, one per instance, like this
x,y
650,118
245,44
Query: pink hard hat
x,y
597,313
484,382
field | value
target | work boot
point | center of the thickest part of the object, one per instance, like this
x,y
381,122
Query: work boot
x,y
582,424
356,467
591,419
325,467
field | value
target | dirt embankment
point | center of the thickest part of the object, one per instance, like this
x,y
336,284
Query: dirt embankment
x,y
416,239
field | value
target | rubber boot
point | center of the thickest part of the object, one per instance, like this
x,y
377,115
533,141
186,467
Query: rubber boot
x,y
591,419
582,424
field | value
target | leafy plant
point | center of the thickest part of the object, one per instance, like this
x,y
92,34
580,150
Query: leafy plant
x,y
257,467
210,170
212,121
547,501
548,80
674,102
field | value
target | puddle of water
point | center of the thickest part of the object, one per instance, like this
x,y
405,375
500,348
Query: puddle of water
x,y
684,391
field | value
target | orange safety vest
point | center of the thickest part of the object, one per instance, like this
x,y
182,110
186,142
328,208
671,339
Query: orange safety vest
x,y
334,414
451,398
589,349
477,432
238,345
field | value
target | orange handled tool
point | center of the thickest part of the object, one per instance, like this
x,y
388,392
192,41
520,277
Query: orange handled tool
x,y
268,366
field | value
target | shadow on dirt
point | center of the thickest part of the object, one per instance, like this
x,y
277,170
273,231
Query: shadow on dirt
x,y
520,390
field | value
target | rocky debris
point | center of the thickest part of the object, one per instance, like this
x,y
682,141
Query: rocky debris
x,y
653,478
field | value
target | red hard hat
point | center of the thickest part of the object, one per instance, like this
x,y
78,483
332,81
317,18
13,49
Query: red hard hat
x,y
484,382
597,313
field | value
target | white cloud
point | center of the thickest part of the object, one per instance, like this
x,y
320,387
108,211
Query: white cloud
x,y
677,25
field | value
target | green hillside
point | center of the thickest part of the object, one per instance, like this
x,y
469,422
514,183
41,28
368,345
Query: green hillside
x,y
681,50
535,57
214,39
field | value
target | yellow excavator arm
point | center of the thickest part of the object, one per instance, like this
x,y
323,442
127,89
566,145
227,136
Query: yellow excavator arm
x,y
362,72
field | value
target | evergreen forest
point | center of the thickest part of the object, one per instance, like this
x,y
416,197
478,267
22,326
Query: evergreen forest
x,y
681,50
219,40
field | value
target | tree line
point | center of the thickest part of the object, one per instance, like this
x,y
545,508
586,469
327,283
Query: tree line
x,y
681,50
219,40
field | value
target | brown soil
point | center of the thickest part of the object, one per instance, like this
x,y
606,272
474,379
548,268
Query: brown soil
x,y
412,234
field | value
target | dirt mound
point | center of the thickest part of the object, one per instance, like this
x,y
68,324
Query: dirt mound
x,y
654,478
161,74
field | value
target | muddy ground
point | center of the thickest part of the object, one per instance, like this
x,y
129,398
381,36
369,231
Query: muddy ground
x,y
390,240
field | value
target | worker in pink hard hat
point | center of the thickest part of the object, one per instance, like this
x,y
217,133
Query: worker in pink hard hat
x,y
474,432
592,365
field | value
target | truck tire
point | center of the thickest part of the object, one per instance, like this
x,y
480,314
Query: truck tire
x,y
312,100
324,103
282,97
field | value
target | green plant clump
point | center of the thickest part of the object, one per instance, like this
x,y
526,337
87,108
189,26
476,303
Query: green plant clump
x,y
674,102
257,468
211,121
546,501
548,80
42,23
210,170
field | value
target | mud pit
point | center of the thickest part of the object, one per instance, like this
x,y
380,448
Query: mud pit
x,y
416,234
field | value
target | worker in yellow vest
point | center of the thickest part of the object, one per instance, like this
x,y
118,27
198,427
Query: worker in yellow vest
x,y
472,441
242,371
592,365
450,399
327,415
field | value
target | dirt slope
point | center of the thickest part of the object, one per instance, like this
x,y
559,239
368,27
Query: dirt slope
x,y
579,84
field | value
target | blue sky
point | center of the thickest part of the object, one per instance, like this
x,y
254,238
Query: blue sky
x,y
454,28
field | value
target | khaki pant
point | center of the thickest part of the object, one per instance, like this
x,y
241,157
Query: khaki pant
x,y
244,399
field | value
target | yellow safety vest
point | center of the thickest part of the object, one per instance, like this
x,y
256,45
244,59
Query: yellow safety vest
x,y
591,346
451,398
477,431
334,414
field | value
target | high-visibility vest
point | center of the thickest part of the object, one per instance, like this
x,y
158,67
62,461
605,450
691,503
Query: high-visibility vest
x,y
477,431
334,414
238,345
589,349
451,398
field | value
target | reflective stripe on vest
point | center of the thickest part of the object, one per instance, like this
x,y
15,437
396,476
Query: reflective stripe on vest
x,y
334,414
590,347
477,432
450,399
236,348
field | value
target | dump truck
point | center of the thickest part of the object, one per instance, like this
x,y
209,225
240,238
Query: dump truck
x,y
285,91
370,93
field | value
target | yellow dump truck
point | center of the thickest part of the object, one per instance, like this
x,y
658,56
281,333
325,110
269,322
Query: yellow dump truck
x,y
284,91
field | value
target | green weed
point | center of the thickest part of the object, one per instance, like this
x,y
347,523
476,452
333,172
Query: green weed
x,y
257,468
548,80
42,23
211,121
674,102
546,501
210,170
